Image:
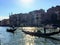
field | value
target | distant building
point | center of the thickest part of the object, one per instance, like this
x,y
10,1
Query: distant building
x,y
5,22
55,10
13,19
37,16
18,19
52,16
32,18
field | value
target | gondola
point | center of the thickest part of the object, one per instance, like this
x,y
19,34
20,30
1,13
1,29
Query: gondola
x,y
11,30
44,35
40,34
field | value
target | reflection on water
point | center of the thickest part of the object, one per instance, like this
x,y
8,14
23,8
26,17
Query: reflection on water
x,y
31,29
20,38
29,40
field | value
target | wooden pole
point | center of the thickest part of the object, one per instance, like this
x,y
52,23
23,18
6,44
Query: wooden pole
x,y
44,30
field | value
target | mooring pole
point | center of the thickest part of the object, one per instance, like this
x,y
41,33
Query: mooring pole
x,y
44,30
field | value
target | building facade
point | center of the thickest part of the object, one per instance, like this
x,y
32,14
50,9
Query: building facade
x,y
5,22
32,18
37,17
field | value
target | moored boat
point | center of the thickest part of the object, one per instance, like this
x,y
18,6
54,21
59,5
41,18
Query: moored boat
x,y
11,30
40,34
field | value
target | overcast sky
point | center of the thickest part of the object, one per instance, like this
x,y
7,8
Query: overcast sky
x,y
24,6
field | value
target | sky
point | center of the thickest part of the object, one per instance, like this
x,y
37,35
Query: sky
x,y
24,6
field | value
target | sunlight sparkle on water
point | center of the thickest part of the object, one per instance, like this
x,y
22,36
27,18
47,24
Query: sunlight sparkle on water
x,y
31,29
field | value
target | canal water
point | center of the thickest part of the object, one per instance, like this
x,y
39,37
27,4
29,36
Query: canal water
x,y
5,37
20,38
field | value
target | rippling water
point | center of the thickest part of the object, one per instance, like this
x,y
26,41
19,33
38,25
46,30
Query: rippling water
x,y
4,36
19,38
26,39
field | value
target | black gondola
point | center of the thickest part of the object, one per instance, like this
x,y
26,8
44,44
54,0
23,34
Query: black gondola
x,y
44,35
40,34
11,30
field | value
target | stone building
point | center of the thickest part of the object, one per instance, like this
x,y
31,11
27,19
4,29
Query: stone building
x,y
55,12
5,22
37,17
32,18
18,19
